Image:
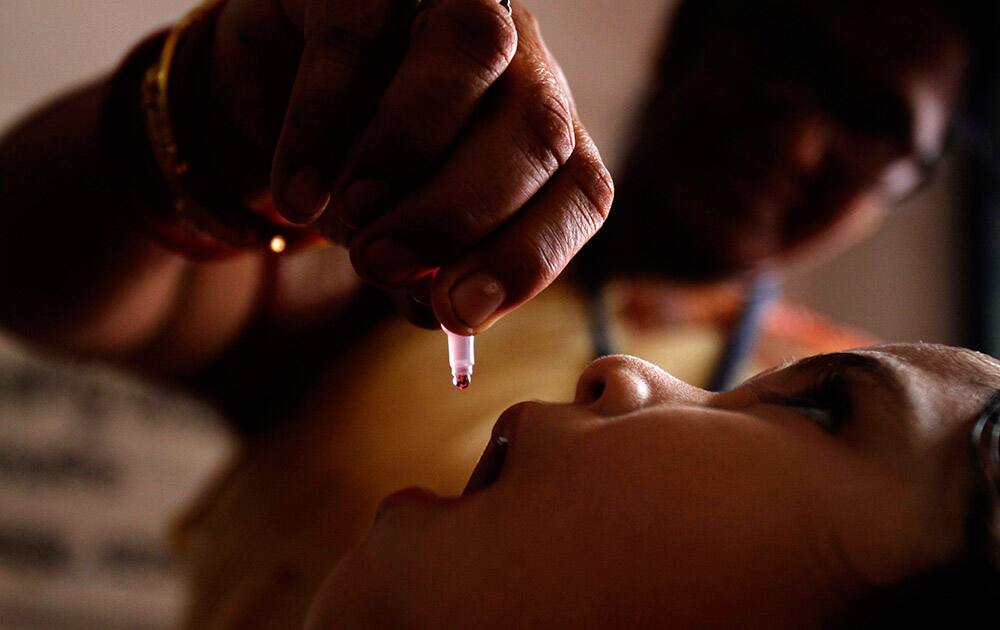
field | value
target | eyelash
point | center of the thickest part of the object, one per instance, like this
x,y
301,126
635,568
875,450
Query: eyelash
x,y
830,395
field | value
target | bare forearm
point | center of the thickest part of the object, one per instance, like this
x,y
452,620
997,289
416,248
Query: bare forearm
x,y
79,272
68,245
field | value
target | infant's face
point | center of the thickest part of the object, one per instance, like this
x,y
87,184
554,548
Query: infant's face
x,y
648,500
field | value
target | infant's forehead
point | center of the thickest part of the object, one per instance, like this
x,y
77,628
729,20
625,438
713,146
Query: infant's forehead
x,y
943,384
946,363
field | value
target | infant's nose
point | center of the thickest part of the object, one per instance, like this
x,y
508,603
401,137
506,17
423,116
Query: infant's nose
x,y
620,384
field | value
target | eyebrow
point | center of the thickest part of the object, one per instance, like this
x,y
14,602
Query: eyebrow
x,y
879,369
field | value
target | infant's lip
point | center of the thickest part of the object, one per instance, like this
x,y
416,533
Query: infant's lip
x,y
488,469
492,460
413,494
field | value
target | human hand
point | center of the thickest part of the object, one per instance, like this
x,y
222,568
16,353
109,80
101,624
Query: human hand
x,y
441,146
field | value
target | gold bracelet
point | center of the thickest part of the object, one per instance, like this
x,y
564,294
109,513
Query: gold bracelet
x,y
198,210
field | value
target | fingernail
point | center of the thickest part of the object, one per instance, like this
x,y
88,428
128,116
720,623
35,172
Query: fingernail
x,y
475,298
364,200
304,196
390,262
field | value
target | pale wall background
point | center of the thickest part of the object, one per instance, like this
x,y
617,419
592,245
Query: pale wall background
x,y
899,285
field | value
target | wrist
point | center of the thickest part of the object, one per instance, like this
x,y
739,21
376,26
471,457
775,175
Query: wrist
x,y
202,208
245,76
240,166
128,168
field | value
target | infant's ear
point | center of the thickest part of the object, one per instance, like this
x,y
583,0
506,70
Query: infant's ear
x,y
984,518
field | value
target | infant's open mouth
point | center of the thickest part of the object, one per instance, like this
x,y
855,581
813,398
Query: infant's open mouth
x,y
490,464
492,461
486,472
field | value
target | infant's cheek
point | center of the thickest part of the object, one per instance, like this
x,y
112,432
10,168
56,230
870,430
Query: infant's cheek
x,y
878,532
364,591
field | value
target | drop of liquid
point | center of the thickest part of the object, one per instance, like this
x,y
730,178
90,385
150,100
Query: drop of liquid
x,y
462,381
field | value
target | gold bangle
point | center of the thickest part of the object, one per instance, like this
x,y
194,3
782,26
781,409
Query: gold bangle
x,y
156,93
198,207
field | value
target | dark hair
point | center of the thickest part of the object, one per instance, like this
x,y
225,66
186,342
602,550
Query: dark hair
x,y
653,182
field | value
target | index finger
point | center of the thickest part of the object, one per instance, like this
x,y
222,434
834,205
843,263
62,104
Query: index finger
x,y
531,250
457,50
350,48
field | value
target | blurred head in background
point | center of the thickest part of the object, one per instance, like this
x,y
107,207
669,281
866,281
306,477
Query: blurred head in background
x,y
781,127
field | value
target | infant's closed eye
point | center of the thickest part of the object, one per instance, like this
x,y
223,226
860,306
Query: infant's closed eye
x,y
817,412
827,402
